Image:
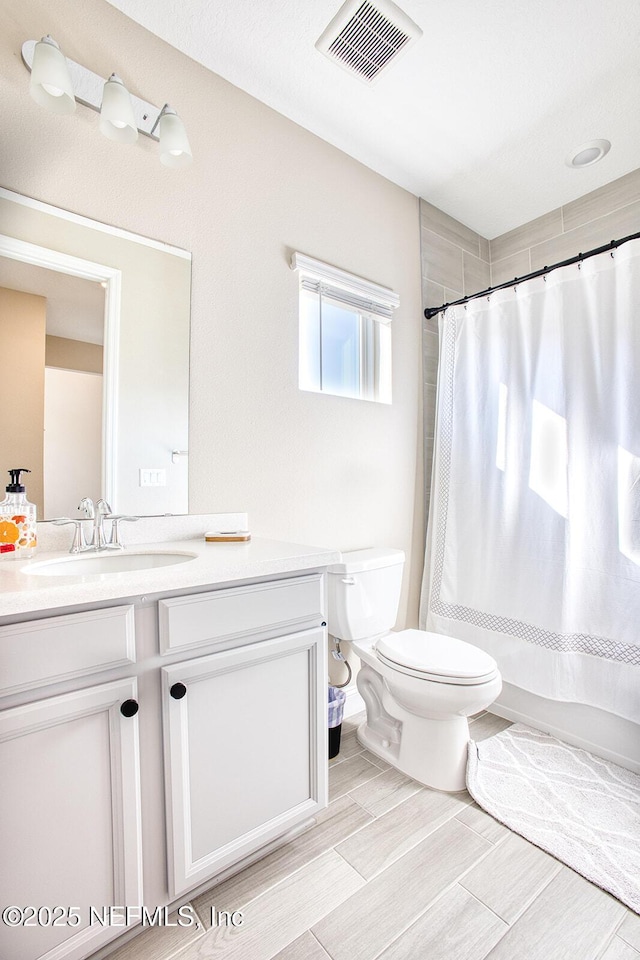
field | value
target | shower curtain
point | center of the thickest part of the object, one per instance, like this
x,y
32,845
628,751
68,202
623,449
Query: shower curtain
x,y
533,542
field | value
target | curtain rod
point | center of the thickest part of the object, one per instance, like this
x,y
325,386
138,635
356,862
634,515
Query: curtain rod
x,y
432,311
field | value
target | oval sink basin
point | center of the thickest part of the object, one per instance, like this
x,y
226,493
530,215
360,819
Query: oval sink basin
x,y
98,564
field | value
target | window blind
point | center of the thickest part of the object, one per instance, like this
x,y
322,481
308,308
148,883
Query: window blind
x,y
371,308
348,289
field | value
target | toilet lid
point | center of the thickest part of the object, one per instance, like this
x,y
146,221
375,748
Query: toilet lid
x,y
436,656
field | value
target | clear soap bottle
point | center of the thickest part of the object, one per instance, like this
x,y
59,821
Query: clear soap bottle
x,y
18,530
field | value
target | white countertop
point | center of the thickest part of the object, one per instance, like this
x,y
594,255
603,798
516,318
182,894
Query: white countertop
x,y
214,563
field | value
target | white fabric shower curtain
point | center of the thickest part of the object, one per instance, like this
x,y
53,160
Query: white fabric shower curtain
x,y
533,543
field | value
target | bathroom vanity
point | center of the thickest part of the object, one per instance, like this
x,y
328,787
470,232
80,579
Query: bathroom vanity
x,y
157,728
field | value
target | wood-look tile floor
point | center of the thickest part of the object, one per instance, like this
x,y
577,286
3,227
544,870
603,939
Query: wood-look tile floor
x,y
395,871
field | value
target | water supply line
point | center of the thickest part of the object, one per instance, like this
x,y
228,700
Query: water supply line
x,y
337,654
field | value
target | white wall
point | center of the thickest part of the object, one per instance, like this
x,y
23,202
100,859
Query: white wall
x,y
72,438
307,467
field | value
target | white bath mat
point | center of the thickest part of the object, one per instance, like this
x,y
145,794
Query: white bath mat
x,y
583,810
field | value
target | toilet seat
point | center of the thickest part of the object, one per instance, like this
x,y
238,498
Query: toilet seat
x,y
432,656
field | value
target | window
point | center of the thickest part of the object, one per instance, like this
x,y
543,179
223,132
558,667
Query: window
x,y
345,332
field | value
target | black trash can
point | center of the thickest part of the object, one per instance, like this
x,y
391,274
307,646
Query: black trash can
x,y
337,698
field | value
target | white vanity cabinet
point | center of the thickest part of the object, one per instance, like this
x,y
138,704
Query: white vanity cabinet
x,y
139,764
244,727
243,744
70,830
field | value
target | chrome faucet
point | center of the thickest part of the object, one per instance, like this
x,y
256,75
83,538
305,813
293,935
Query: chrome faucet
x,y
102,510
79,544
114,540
98,512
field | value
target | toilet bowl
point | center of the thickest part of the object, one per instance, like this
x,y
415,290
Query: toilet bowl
x,y
419,688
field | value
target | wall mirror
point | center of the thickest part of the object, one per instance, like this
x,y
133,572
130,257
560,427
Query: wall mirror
x,y
94,333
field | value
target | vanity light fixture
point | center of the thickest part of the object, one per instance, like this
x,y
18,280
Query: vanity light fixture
x,y
117,121
57,83
174,145
50,84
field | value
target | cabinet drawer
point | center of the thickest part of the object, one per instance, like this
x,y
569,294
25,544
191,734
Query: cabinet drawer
x,y
237,612
61,648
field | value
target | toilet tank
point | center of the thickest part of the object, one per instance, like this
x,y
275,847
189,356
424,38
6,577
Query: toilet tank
x,y
364,593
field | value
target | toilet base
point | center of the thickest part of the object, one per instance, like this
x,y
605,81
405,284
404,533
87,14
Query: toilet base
x,y
432,752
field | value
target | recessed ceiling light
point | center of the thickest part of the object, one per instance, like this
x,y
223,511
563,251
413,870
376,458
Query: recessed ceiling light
x,y
588,153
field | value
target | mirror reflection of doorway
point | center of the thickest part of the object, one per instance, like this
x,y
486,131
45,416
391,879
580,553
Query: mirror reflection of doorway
x,y
72,439
51,391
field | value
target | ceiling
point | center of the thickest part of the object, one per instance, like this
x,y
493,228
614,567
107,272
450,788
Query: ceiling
x,y
75,306
477,116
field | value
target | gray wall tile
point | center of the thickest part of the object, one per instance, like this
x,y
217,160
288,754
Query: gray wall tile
x,y
599,202
430,350
445,226
595,233
441,260
428,453
509,267
525,236
429,406
432,293
476,274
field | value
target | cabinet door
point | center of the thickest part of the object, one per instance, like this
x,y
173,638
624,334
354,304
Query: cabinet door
x,y
69,821
245,751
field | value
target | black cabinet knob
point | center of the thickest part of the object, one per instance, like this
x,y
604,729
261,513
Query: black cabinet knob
x,y
129,708
178,691
324,623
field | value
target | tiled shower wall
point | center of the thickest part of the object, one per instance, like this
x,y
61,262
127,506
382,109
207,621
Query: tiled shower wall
x,y
457,262
609,213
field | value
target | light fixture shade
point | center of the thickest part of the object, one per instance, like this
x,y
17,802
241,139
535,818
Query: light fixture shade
x,y
117,120
50,83
174,144
588,153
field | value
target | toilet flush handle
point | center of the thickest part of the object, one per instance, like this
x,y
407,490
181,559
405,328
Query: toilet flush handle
x,y
349,580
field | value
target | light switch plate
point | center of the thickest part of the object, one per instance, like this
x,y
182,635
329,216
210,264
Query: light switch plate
x,y
153,477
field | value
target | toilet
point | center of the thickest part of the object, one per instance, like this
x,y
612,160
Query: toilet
x,y
418,687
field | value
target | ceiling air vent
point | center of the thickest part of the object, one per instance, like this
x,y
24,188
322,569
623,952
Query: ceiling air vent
x,y
364,37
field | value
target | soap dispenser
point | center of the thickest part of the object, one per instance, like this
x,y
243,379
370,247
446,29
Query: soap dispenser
x,y
18,531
